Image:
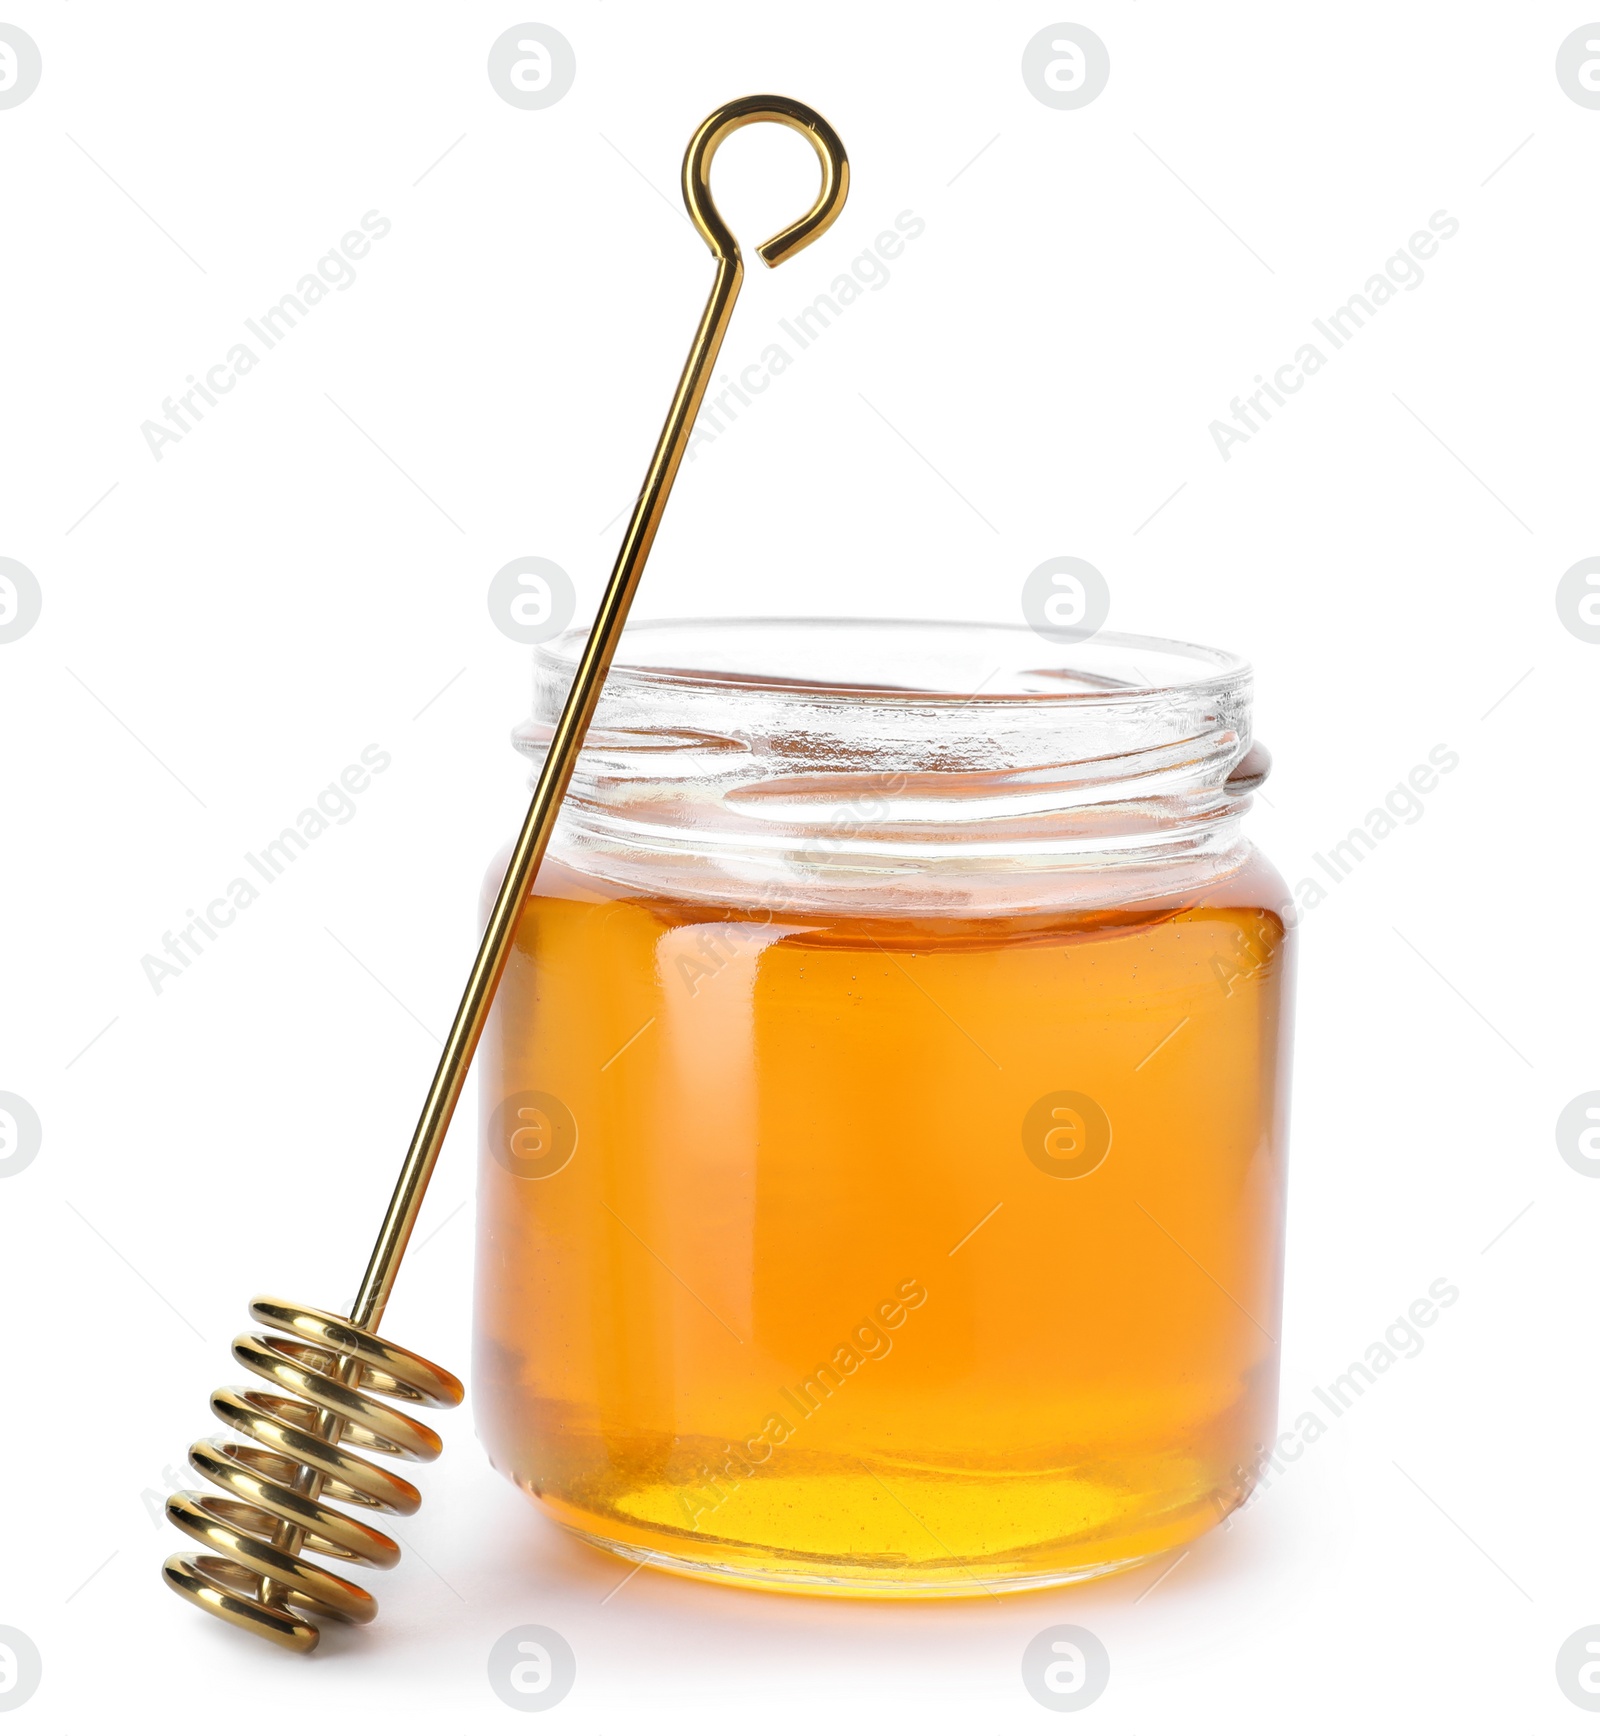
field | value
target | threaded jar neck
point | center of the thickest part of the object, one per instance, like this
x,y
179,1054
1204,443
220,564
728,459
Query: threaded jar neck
x,y
901,766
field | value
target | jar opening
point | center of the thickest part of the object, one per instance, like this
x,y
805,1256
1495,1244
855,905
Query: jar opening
x,y
929,764
898,661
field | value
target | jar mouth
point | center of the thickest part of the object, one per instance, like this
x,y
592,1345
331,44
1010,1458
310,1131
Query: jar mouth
x,y
939,663
917,765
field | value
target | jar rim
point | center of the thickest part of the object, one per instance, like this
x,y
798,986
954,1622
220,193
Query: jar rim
x,y
909,764
1047,670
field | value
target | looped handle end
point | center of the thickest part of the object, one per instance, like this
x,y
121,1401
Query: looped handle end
x,y
743,113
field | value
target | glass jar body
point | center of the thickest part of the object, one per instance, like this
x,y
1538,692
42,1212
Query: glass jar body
x,y
860,1250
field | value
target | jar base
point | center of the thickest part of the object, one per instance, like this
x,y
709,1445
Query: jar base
x,y
742,1576
758,1567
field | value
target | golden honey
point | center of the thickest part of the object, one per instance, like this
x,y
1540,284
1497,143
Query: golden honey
x,y
804,1306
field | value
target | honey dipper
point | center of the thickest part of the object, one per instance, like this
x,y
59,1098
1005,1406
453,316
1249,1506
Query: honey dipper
x,y
334,1375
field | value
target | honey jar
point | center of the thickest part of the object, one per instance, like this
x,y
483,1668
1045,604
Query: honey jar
x,y
883,1109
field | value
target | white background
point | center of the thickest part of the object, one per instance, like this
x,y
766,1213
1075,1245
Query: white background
x,y
228,627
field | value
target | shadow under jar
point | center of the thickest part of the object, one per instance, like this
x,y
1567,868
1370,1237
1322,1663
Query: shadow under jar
x,y
884,1110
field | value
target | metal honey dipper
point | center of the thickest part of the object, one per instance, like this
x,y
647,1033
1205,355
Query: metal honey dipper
x,y
334,1374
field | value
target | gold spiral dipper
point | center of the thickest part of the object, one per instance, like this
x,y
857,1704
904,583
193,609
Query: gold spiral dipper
x,y
333,1373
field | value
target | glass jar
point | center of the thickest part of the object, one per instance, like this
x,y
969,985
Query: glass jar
x,y
884,1110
